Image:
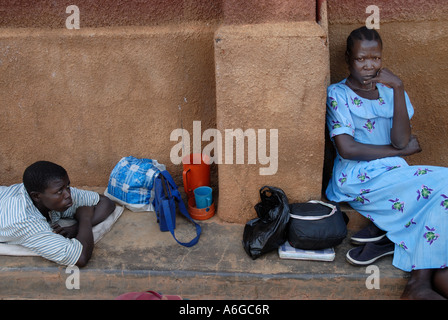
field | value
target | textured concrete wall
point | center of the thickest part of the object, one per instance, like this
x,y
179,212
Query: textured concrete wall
x,y
264,11
85,98
107,13
415,37
271,69
88,97
272,76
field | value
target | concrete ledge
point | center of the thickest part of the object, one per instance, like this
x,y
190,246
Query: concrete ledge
x,y
136,256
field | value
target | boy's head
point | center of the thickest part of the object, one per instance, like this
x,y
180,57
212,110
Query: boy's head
x,y
48,186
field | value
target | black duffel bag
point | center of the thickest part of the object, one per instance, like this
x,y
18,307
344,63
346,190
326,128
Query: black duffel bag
x,y
316,225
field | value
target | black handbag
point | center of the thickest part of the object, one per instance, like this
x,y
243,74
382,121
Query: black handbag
x,y
316,225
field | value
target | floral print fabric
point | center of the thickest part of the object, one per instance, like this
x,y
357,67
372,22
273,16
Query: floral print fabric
x,y
409,202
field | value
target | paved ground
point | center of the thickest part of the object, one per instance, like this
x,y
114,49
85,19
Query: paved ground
x,y
135,256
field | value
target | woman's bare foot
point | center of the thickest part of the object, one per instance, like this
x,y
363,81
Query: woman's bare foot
x,y
440,281
419,287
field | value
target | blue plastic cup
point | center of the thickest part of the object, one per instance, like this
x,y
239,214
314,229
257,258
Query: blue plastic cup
x,y
203,197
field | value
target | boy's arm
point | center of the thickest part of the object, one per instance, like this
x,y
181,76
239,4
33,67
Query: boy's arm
x,y
102,210
84,217
87,218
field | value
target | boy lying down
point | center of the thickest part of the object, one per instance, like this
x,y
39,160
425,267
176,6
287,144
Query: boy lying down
x,y
29,214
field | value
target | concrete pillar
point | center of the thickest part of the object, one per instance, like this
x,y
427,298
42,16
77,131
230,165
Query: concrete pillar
x,y
271,76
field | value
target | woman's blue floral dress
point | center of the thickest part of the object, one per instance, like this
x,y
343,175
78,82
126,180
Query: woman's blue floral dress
x,y
409,202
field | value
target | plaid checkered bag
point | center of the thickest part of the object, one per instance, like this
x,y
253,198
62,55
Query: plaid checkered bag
x,y
131,183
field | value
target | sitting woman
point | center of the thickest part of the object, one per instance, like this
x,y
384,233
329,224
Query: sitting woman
x,y
368,115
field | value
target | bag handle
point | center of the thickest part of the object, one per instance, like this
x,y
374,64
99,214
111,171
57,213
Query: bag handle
x,y
313,218
165,187
185,180
169,206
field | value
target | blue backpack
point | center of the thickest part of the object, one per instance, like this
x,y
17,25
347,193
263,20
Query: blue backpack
x,y
166,197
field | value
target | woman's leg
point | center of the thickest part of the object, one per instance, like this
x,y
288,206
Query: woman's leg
x,y
419,286
440,281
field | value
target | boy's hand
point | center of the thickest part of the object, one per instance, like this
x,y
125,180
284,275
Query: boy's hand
x,y
68,232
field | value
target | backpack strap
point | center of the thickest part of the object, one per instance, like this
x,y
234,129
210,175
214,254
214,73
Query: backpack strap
x,y
166,204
